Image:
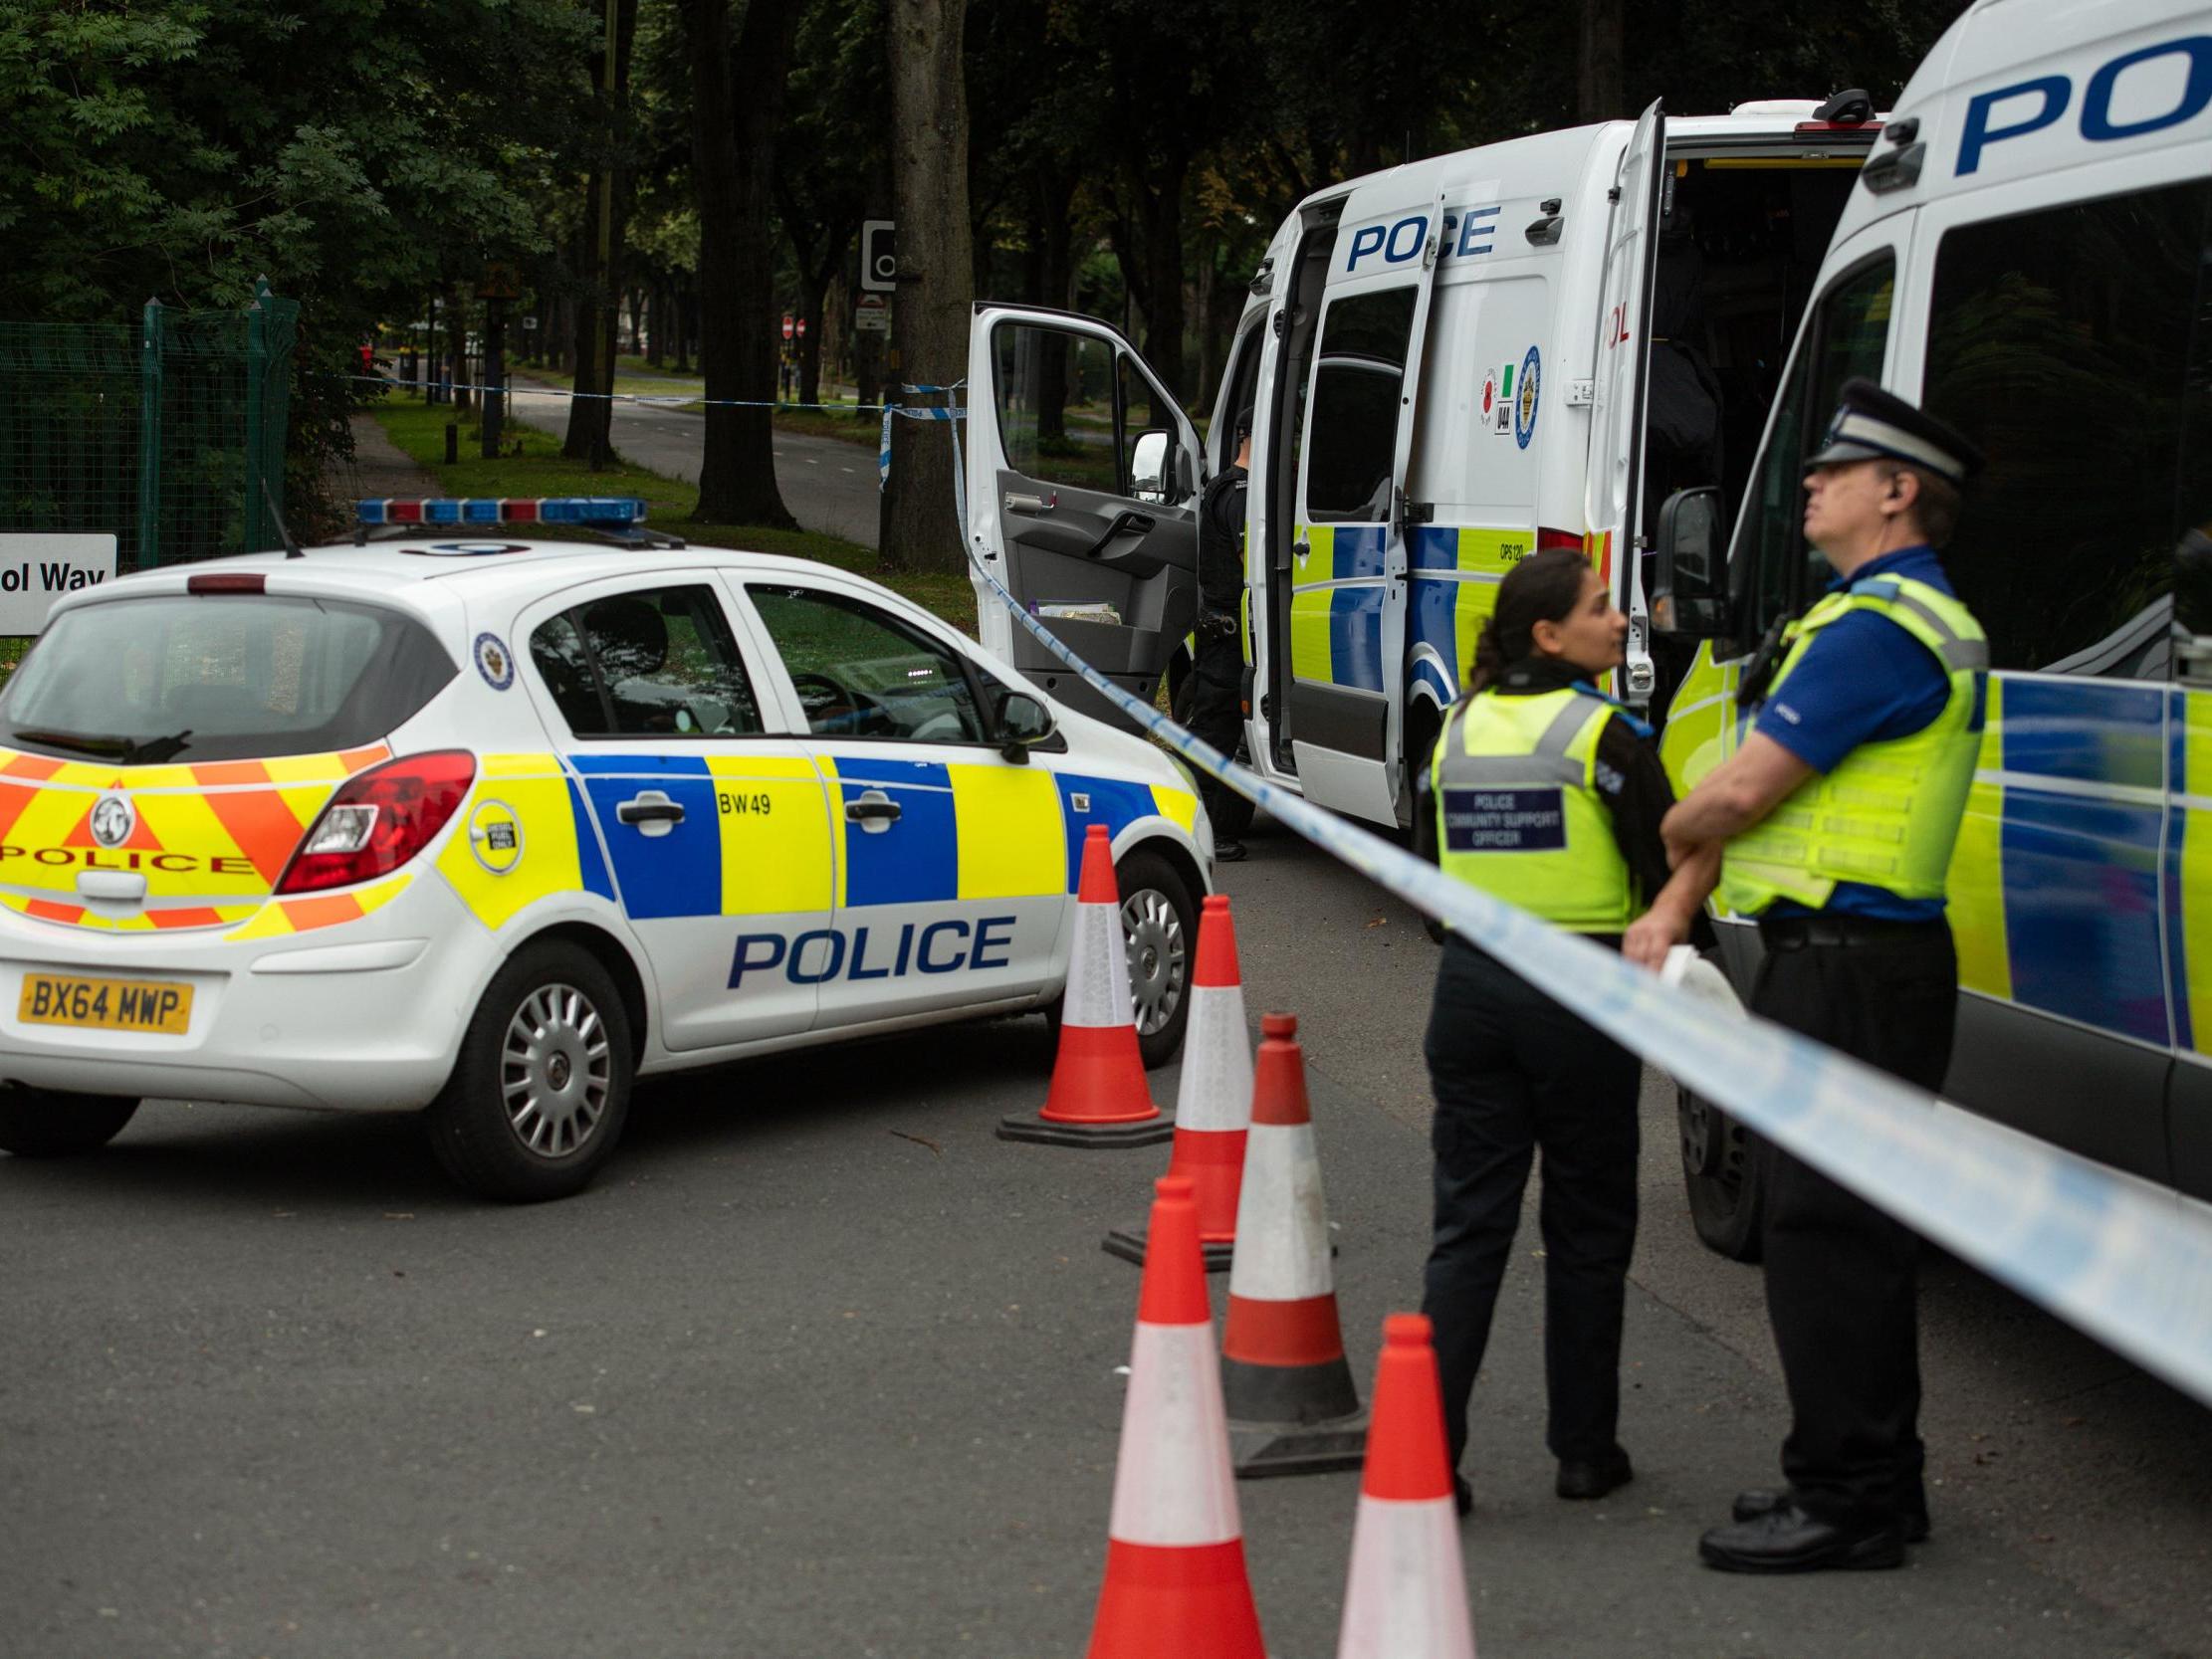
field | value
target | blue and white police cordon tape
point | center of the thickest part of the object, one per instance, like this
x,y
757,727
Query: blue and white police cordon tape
x,y
2123,1260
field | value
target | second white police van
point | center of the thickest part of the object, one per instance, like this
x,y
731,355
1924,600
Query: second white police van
x,y
1584,338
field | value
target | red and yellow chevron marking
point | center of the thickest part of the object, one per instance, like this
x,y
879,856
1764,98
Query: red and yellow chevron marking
x,y
210,839
320,909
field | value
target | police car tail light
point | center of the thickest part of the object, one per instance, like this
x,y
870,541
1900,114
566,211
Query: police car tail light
x,y
379,819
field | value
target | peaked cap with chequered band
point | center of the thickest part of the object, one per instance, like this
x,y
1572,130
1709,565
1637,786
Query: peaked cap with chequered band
x,y
1870,421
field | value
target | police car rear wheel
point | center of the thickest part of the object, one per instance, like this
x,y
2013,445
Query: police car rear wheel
x,y
537,1098
1160,921
45,1123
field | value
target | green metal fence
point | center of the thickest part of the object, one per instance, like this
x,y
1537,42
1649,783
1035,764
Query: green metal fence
x,y
168,435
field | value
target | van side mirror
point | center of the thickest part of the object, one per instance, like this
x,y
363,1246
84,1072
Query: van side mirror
x,y
1690,598
1152,466
2192,609
1023,724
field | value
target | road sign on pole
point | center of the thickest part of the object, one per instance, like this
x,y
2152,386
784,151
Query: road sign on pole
x,y
879,257
786,324
803,327
871,315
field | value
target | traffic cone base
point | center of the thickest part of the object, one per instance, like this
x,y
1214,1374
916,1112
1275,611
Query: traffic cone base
x,y
1260,1451
1129,1244
1099,1095
1105,1136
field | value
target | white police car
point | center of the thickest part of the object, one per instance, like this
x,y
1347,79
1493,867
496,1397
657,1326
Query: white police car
x,y
488,828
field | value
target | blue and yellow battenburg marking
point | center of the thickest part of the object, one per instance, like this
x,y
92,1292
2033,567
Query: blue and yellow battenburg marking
x,y
1456,573
1337,594
767,835
1336,606
2081,881
2189,868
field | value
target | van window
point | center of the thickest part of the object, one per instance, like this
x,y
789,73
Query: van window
x,y
2072,345
1356,390
215,677
1054,393
1848,334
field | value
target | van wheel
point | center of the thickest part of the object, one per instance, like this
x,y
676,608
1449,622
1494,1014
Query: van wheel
x,y
539,1094
1726,1174
45,1122
1159,923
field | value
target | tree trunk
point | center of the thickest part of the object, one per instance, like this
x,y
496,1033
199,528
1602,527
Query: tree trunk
x,y
737,106
1055,267
1164,278
1598,94
687,327
456,347
929,154
591,414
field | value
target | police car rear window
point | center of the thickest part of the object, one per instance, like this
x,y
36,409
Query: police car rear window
x,y
216,677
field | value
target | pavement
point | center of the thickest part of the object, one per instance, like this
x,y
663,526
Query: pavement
x,y
821,1367
828,485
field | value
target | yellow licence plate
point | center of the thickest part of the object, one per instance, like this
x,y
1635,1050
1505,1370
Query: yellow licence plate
x,y
107,1004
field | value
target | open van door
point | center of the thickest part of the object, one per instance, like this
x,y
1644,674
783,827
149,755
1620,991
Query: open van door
x,y
1083,477
1612,501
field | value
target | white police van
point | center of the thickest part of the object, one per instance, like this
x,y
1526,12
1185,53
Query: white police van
x,y
1453,363
486,828
2027,253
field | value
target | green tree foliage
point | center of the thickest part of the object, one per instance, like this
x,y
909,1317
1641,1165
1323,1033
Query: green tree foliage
x,y
357,152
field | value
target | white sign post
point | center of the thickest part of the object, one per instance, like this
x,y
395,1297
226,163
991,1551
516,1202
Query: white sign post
x,y
36,568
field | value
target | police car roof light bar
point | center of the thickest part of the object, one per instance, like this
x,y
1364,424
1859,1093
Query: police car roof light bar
x,y
613,517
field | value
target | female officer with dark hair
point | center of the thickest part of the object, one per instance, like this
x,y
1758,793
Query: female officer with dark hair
x,y
1543,792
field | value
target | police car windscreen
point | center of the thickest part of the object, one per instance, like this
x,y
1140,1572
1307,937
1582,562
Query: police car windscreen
x,y
212,677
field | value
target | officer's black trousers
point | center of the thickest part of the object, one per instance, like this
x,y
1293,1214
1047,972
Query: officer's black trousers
x,y
1216,709
1841,1276
1513,1071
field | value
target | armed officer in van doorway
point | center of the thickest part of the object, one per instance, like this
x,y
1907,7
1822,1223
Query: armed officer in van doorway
x,y
1216,707
1838,814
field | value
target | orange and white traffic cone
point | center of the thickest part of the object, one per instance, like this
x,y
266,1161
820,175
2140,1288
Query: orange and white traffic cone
x,y
1406,1597
1176,1581
1099,1095
1292,1404
1213,1103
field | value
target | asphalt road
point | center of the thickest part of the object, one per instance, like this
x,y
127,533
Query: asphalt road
x,y
828,485
821,1367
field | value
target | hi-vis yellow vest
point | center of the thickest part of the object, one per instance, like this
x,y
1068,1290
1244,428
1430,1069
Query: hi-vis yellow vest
x,y
1517,815
1889,814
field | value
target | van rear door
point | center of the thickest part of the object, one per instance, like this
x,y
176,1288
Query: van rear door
x,y
1614,484
1083,477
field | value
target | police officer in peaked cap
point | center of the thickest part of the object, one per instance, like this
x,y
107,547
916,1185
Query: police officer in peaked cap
x,y
1215,710
1838,813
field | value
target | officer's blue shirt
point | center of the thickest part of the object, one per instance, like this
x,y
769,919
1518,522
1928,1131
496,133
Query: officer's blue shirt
x,y
1863,680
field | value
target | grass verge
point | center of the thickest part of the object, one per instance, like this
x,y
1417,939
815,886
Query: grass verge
x,y
541,470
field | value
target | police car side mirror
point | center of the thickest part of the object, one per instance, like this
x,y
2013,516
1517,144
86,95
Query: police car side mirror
x,y
1023,723
2192,608
1690,599
1151,465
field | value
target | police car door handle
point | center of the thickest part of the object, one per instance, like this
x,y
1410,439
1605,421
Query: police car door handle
x,y
651,811
873,811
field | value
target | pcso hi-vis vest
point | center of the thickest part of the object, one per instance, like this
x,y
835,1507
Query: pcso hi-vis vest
x,y
1517,815
1889,814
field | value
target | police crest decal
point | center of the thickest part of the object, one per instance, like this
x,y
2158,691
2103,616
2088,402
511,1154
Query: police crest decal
x,y
493,661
